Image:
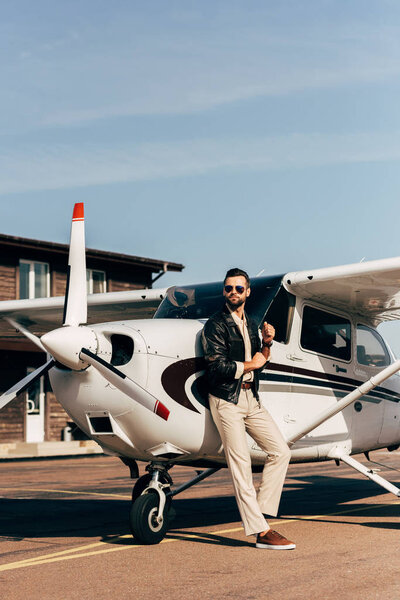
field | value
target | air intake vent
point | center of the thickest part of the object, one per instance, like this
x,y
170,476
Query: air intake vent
x,y
101,424
122,349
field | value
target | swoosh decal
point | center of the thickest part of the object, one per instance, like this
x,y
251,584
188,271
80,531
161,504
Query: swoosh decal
x,y
174,379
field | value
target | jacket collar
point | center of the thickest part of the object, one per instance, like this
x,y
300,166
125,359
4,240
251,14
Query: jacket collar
x,y
229,319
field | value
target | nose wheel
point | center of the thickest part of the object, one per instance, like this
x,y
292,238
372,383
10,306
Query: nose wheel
x,y
151,503
147,525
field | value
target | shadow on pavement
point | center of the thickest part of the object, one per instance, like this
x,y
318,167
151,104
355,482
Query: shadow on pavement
x,y
77,517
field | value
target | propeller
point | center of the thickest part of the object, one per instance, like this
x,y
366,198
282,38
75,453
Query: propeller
x,y
26,382
74,344
75,304
26,332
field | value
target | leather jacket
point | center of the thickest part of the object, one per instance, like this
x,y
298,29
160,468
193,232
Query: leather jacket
x,y
223,345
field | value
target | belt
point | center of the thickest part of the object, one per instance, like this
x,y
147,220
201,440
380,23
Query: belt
x,y
246,386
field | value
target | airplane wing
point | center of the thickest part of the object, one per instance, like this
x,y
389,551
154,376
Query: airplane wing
x,y
44,314
368,289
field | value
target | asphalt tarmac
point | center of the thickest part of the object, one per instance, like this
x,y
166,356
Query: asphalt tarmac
x,y
64,535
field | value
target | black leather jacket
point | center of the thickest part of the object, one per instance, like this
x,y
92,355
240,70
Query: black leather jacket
x,y
223,345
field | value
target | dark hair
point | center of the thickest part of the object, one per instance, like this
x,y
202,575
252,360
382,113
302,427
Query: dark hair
x,y
236,272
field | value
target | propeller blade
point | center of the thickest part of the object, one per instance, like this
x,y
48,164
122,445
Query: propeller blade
x,y
124,384
75,306
22,385
26,333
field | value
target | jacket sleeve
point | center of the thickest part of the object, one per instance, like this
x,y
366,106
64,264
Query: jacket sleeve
x,y
216,352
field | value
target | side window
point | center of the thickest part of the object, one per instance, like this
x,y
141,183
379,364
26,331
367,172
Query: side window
x,y
280,314
325,333
370,348
34,279
95,281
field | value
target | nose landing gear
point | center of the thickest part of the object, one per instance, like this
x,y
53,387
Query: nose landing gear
x,y
151,502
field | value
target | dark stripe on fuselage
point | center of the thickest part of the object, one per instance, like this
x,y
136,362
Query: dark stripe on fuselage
x,y
315,378
315,384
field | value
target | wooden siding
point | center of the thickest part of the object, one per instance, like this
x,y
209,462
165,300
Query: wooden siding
x,y
12,416
56,418
8,281
12,421
121,280
59,281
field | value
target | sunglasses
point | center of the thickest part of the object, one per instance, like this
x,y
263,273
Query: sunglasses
x,y
239,288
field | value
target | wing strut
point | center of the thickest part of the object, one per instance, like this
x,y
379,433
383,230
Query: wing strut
x,y
333,410
370,473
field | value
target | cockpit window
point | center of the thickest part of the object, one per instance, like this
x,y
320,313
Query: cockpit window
x,y
203,300
326,333
371,350
280,315
122,349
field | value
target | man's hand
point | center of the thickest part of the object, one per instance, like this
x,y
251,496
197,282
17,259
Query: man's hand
x,y
258,360
268,333
255,363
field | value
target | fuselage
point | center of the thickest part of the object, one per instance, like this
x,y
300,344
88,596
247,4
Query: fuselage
x,y
165,359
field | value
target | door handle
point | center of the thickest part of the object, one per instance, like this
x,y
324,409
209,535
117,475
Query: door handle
x,y
294,357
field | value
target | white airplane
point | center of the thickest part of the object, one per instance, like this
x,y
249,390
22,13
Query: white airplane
x,y
136,387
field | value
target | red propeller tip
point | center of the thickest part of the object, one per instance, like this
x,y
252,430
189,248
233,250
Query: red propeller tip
x,y
78,212
162,411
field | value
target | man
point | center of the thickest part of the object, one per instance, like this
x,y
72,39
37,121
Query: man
x,y
235,356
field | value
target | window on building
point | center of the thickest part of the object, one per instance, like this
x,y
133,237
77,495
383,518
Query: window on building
x,y
95,281
370,348
326,333
34,279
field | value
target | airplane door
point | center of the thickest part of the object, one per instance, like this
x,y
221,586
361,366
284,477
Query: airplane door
x,y
390,431
35,410
322,370
371,418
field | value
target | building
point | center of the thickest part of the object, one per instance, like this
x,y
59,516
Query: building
x,y
34,269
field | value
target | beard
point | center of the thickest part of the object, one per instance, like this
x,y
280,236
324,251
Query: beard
x,y
235,302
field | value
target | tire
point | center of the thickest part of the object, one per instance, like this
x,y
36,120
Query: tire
x,y
142,522
142,483
139,487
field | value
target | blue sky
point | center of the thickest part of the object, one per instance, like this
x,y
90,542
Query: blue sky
x,y
262,134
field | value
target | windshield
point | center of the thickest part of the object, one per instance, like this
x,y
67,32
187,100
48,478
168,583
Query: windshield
x,y
203,300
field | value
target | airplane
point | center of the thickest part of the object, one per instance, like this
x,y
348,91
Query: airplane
x,y
137,386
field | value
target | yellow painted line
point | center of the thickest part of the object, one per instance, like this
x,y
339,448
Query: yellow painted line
x,y
112,540
125,496
75,549
77,552
18,565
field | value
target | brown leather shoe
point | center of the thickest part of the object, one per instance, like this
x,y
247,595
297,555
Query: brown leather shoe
x,y
274,541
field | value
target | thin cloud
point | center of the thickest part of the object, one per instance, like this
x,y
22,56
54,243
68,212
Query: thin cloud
x,y
220,57
225,89
64,167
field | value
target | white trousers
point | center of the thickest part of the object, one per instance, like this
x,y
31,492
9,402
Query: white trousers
x,y
233,421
